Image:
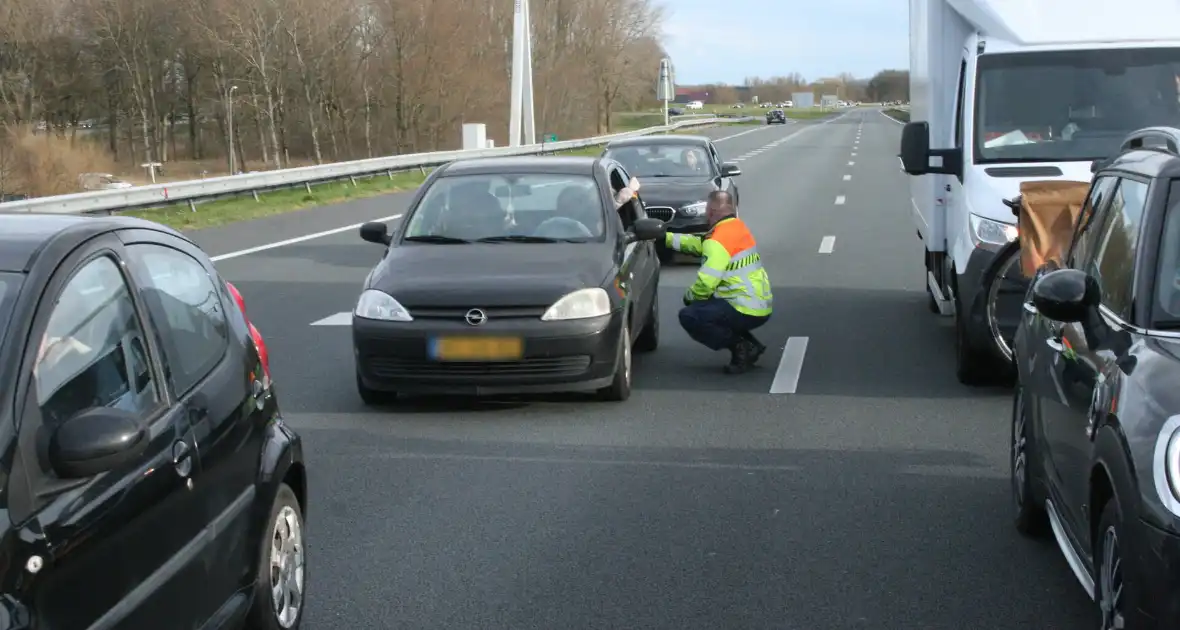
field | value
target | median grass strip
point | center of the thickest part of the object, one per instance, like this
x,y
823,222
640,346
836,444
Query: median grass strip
x,y
245,208
901,115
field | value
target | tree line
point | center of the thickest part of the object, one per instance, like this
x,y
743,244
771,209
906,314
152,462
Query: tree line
x,y
886,85
311,80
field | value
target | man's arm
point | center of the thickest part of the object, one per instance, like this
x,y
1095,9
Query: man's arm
x,y
710,273
684,243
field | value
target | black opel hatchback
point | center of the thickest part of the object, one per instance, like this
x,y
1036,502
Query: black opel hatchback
x,y
1096,416
147,479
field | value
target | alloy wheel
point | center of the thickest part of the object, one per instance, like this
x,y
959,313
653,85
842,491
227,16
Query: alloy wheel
x,y
627,355
1110,582
1019,451
286,567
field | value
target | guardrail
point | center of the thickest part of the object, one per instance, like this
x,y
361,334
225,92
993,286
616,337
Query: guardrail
x,y
194,191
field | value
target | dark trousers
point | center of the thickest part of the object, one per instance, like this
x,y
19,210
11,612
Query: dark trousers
x,y
716,324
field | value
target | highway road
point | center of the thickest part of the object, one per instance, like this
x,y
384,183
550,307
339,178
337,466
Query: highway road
x,y
850,482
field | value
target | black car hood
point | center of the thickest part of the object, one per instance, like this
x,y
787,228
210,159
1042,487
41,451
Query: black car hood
x,y
675,191
479,275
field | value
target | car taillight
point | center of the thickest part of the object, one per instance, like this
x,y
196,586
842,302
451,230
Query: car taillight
x,y
259,342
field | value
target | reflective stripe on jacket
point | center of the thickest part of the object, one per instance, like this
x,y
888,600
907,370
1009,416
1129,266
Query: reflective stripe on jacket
x,y
732,269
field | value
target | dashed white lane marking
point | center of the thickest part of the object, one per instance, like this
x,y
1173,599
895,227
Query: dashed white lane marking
x,y
852,163
847,178
339,319
827,245
299,239
786,377
840,200
854,154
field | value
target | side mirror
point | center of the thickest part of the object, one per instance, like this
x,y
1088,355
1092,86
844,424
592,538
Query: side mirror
x,y
646,230
729,169
95,441
376,232
1066,295
916,155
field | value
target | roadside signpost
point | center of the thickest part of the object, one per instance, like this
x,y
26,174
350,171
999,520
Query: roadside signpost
x,y
664,90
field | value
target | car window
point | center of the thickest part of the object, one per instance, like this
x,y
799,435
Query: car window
x,y
1089,224
9,285
186,308
1168,270
474,207
663,160
93,352
1114,261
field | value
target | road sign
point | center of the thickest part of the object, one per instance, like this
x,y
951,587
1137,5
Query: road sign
x,y
550,137
664,91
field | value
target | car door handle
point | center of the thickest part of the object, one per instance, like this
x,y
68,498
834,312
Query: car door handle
x,y
1055,343
1028,307
182,458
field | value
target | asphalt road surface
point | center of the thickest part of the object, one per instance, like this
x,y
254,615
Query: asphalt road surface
x,y
850,482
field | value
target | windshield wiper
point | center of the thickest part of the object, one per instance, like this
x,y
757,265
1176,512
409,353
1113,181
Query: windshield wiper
x,y
436,238
521,238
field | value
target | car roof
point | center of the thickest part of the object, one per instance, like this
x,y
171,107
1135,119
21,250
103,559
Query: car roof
x,y
24,234
565,165
1148,163
646,141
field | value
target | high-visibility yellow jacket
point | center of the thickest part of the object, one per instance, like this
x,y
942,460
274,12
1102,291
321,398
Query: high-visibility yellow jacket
x,y
732,269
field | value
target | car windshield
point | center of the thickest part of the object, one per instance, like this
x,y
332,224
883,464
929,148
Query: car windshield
x,y
1075,105
663,160
506,207
9,284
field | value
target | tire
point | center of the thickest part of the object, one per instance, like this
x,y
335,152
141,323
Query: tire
x,y
1108,564
1010,253
373,397
972,365
1030,516
284,527
620,388
649,338
931,303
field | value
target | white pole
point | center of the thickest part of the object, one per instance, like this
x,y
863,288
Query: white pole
x,y
518,42
229,108
528,120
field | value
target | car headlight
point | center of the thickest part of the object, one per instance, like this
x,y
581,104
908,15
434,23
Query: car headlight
x,y
1166,465
992,232
693,209
375,304
580,304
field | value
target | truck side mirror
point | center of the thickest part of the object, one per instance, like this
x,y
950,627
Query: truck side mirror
x,y
916,153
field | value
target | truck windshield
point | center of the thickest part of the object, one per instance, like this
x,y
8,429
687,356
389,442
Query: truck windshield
x,y
1071,105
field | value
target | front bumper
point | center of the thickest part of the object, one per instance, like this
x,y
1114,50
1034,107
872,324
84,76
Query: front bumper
x,y
578,355
687,225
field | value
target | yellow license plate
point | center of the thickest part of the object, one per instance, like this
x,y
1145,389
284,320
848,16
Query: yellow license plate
x,y
477,348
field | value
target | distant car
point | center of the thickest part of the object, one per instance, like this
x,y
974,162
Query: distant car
x,y
102,181
737,106
776,116
510,275
694,105
1095,440
675,111
677,174
151,479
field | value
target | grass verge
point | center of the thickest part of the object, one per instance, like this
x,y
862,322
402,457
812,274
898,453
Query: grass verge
x,y
900,115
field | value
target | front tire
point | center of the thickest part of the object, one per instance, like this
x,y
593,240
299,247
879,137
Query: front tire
x,y
282,572
972,365
1030,518
1110,589
620,388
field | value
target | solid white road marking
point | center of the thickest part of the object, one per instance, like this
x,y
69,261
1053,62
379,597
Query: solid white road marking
x,y
741,133
298,239
840,200
786,377
847,178
571,461
339,319
827,245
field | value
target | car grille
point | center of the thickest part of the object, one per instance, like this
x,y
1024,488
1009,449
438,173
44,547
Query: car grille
x,y
460,314
663,213
391,367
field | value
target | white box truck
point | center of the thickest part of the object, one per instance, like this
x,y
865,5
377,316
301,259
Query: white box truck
x,y
1005,91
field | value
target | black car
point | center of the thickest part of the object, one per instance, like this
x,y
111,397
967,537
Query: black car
x,y
677,174
149,479
510,276
776,116
1096,417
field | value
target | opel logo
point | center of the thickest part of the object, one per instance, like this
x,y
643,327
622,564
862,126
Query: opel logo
x,y
476,317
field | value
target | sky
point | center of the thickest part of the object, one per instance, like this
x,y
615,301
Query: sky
x,y
725,41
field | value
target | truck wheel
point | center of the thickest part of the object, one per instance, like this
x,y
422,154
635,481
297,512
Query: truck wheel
x,y
972,365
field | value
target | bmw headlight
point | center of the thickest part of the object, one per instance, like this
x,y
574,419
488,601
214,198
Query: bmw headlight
x,y
992,232
1166,465
580,304
375,304
693,209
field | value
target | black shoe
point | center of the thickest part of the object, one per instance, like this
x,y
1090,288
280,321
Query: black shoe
x,y
757,347
742,359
